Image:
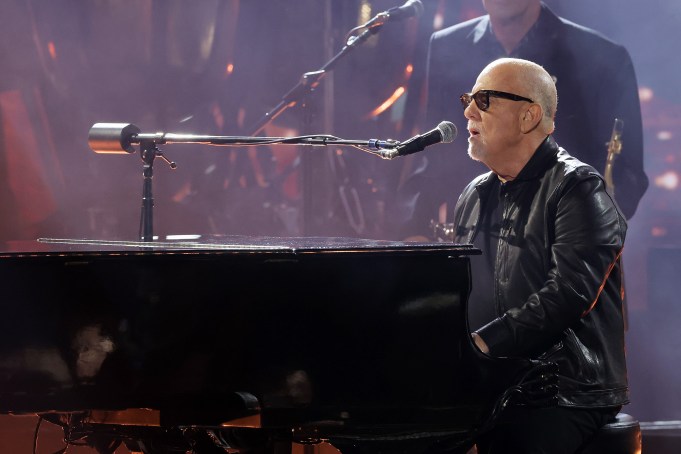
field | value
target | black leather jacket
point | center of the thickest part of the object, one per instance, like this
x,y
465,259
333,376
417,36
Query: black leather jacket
x,y
557,274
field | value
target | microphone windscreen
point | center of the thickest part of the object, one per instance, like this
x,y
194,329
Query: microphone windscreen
x,y
448,131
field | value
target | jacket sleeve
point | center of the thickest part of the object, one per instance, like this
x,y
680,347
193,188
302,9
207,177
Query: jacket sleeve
x,y
585,238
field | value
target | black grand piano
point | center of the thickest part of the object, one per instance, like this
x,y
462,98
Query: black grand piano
x,y
234,344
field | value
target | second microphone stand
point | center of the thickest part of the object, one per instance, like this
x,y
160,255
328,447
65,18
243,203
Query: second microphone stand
x,y
310,80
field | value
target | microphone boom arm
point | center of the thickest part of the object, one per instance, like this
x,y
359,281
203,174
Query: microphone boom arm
x,y
119,138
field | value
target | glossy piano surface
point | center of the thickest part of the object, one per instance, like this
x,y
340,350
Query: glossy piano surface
x,y
314,337
235,244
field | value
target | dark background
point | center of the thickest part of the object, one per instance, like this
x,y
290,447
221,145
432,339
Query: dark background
x,y
217,66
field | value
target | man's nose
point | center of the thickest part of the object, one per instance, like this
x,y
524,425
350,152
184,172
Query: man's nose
x,y
471,111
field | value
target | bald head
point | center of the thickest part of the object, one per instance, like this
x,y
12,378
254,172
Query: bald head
x,y
527,79
513,115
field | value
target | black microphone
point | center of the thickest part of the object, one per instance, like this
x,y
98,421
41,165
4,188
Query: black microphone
x,y
444,133
411,8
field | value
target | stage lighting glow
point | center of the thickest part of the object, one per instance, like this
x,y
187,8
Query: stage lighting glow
x,y
664,135
51,48
668,180
388,102
645,94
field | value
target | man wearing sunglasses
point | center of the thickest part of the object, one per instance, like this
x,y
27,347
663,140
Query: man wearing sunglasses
x,y
547,286
594,76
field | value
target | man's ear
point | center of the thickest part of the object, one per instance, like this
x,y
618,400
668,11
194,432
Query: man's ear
x,y
530,118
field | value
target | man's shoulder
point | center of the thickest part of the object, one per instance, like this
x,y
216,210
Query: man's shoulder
x,y
570,167
556,164
580,35
459,31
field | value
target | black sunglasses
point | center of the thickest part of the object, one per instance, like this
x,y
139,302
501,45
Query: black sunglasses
x,y
481,98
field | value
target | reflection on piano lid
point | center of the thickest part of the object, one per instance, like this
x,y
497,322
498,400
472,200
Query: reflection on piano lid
x,y
250,342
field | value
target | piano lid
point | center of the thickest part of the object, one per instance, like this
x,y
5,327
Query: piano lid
x,y
229,244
